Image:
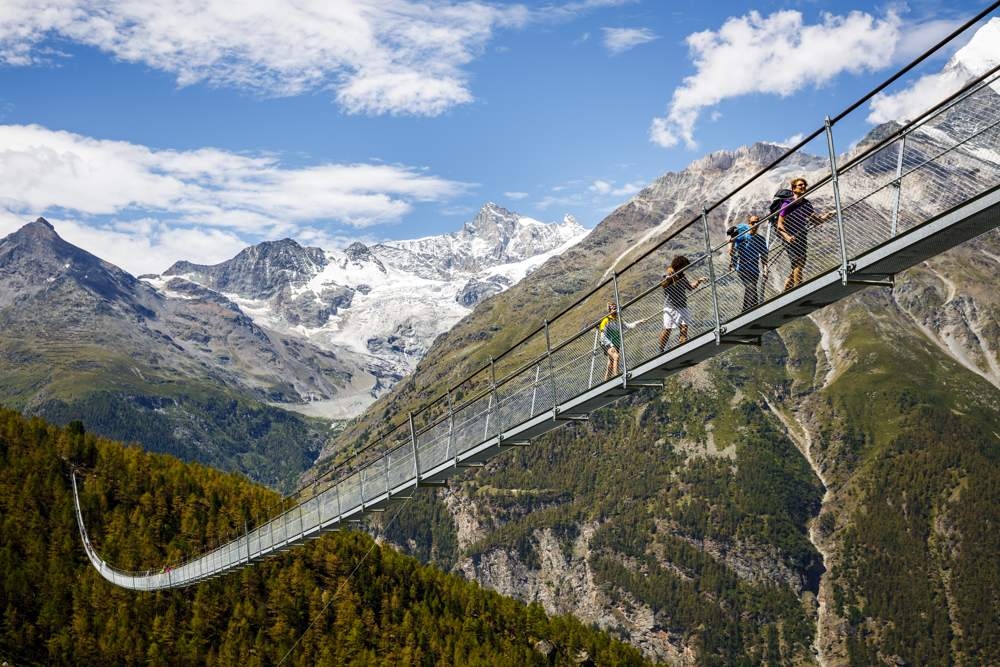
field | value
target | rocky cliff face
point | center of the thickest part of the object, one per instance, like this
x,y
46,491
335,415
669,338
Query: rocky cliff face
x,y
260,271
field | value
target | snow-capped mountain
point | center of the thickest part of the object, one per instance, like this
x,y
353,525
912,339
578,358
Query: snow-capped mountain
x,y
493,238
971,61
380,306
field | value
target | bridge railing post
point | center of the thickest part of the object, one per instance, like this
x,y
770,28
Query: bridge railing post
x,y
836,200
416,458
388,484
711,275
495,397
362,474
534,388
593,359
898,187
340,511
489,412
449,448
552,374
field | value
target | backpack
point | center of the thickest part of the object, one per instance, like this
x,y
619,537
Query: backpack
x,y
779,199
740,236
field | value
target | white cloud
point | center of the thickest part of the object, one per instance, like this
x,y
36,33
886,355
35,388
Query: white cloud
x,y
380,56
43,170
460,210
792,140
570,10
377,56
918,37
607,188
619,40
775,54
564,198
628,189
10,223
973,59
515,195
600,187
149,246
594,195
915,99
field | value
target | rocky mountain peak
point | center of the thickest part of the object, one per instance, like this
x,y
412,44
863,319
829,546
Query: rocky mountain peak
x,y
39,231
259,271
491,220
38,242
284,254
358,252
40,226
36,258
723,160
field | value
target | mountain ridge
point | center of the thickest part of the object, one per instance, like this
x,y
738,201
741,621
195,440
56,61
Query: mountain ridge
x,y
382,305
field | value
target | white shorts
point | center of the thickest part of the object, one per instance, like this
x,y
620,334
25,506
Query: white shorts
x,y
675,317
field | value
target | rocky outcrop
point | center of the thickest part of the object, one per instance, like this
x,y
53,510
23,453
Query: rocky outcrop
x,y
257,272
476,290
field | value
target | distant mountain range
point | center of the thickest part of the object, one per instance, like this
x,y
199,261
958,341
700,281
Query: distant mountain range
x,y
379,307
202,361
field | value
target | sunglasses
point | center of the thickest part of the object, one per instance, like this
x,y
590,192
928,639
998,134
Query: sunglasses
x,y
799,185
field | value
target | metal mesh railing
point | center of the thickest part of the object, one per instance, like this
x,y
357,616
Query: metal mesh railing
x,y
915,173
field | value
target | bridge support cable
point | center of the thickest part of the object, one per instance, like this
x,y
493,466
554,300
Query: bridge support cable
x,y
910,195
897,186
839,212
552,373
711,275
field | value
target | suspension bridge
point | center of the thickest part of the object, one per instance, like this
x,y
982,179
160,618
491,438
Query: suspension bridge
x,y
921,187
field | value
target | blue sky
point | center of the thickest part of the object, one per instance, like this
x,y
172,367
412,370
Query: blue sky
x,y
165,129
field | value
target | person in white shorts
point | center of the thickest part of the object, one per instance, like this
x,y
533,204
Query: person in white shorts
x,y
675,286
676,318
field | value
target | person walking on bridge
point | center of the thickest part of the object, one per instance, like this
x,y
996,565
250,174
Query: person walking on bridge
x,y
610,329
675,286
748,250
795,217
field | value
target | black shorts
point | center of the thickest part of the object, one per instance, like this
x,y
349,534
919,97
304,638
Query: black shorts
x,y
797,249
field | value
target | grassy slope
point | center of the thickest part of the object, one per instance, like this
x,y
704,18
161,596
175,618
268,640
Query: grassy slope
x,y
164,410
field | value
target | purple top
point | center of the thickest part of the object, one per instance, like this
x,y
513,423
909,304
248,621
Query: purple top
x,y
796,213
